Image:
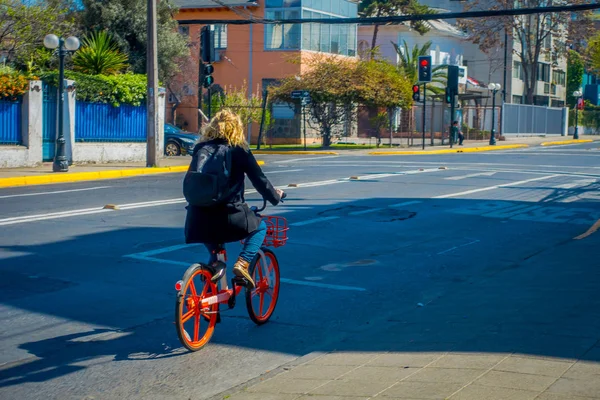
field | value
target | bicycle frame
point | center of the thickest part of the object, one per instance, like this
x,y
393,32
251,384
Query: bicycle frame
x,y
225,293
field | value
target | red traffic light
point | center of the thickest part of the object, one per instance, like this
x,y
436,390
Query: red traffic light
x,y
424,63
415,88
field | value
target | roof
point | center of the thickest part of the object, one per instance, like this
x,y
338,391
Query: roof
x,y
443,26
213,4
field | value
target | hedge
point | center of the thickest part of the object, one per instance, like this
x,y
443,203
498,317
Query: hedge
x,y
13,85
113,89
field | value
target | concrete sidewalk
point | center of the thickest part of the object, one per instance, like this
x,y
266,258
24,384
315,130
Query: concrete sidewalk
x,y
527,332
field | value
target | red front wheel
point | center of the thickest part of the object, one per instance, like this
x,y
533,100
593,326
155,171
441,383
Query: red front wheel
x,y
262,299
195,324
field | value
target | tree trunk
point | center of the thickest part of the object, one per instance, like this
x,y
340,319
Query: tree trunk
x,y
327,137
375,31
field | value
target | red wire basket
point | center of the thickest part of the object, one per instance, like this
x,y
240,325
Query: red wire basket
x,y
277,228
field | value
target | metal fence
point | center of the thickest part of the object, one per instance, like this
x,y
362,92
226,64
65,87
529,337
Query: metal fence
x,y
10,122
99,122
522,119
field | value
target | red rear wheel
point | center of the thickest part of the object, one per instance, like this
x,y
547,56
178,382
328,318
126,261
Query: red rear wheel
x,y
262,299
195,324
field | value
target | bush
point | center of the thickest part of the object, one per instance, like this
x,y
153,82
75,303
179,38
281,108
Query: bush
x,y
13,84
112,89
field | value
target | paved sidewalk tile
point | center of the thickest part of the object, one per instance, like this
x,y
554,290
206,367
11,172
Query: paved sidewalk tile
x,y
261,396
478,392
556,396
421,390
577,387
446,375
471,361
346,387
534,366
380,374
345,358
516,381
317,372
584,370
411,360
287,386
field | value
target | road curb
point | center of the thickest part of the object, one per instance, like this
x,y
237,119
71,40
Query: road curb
x,y
70,177
450,151
279,152
558,142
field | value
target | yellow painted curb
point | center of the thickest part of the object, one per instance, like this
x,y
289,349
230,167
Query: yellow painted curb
x,y
295,152
449,151
559,142
70,177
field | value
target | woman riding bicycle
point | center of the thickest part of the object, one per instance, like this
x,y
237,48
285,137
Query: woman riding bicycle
x,y
231,220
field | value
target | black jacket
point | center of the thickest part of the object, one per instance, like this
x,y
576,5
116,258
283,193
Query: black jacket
x,y
234,220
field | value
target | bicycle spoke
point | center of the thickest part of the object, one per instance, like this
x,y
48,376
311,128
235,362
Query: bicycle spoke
x,y
193,288
262,301
186,317
196,327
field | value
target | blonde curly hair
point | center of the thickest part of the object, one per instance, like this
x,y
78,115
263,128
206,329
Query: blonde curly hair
x,y
225,125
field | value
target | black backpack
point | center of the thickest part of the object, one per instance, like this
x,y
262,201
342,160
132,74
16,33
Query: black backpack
x,y
207,181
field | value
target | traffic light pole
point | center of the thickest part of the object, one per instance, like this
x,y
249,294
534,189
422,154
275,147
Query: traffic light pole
x,y
424,109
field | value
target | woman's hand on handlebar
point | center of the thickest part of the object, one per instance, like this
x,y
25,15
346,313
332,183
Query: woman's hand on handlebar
x,y
281,193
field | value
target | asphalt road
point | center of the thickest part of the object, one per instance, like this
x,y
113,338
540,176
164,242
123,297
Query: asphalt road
x,y
82,318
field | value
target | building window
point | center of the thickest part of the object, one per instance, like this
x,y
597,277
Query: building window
x,y
559,77
543,73
220,36
517,70
517,99
283,36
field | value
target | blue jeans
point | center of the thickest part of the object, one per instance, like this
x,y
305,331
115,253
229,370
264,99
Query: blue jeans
x,y
251,244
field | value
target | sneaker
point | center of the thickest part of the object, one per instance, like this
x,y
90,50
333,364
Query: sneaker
x,y
240,269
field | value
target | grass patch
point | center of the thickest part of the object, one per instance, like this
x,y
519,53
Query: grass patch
x,y
312,147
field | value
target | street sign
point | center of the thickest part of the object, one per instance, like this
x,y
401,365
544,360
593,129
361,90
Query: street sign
x,y
306,101
299,94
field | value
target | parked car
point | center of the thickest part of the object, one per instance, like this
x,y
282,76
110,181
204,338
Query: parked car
x,y
178,142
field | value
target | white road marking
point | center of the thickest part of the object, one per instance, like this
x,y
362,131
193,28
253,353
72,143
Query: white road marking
x,y
417,163
323,285
458,178
365,211
143,257
445,196
312,221
156,203
303,159
55,192
575,184
406,203
281,172
457,247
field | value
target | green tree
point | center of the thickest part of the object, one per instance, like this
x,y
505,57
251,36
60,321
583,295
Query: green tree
x,y
594,52
99,55
575,69
408,65
236,99
23,26
537,37
126,20
388,8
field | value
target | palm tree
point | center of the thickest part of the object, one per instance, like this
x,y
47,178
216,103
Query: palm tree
x,y
99,55
408,65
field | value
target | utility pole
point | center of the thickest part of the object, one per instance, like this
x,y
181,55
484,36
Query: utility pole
x,y
152,144
424,109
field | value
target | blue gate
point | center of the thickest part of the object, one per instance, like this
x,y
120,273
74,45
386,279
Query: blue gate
x,y
10,122
49,122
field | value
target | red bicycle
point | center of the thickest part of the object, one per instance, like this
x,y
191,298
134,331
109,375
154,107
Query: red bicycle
x,y
204,288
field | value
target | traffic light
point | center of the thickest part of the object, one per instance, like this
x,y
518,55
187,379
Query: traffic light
x,y
207,44
208,78
424,68
416,92
449,95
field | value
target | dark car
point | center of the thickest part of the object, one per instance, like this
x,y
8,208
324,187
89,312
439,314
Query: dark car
x,y
178,141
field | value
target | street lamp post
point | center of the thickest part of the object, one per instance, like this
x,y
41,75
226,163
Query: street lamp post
x,y
494,87
64,46
577,94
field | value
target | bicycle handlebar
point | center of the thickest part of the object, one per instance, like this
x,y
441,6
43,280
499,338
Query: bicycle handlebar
x,y
257,210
